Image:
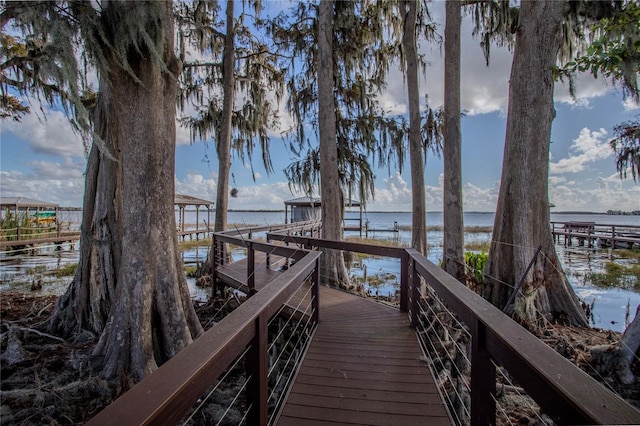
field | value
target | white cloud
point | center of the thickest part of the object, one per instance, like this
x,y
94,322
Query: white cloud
x,y
588,147
630,104
56,182
479,199
197,185
52,136
609,193
586,87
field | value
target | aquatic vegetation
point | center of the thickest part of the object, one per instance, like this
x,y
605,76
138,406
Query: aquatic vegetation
x,y
66,270
619,275
190,271
482,246
476,263
38,269
627,254
191,244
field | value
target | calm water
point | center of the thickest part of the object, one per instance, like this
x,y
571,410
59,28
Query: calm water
x,y
611,304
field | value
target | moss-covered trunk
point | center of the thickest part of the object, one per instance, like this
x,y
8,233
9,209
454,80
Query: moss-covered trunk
x,y
334,270
130,289
522,217
453,239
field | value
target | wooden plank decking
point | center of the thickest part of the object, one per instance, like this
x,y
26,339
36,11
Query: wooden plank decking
x,y
362,367
235,274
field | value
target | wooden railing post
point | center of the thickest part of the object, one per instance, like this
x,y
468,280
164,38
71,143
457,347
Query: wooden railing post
x,y
315,293
214,265
414,279
251,268
18,233
257,369
404,282
483,378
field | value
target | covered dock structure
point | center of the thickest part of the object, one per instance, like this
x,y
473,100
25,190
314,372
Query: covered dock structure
x,y
309,208
182,201
15,206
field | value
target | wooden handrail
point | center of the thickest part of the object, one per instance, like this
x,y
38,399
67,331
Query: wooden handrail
x,y
168,393
385,251
562,390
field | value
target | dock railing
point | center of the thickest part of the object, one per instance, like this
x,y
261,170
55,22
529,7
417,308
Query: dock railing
x,y
243,237
168,394
563,392
595,234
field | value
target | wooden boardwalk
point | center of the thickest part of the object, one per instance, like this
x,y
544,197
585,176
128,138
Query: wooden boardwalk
x,y
363,367
235,274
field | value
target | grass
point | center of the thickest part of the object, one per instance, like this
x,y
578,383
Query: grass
x,y
65,271
186,245
190,271
627,254
28,228
39,269
478,246
625,276
467,229
386,243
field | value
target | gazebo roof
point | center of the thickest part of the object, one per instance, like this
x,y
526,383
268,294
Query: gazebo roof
x,y
188,200
24,202
304,201
316,202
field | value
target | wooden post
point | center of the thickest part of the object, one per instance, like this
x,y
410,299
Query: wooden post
x,y
197,221
414,279
613,237
483,378
257,369
214,265
404,282
251,279
315,293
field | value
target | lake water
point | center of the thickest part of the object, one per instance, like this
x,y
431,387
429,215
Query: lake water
x,y
610,304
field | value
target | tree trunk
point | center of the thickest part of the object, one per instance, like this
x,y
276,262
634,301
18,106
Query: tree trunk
x,y
616,360
522,216
334,270
130,287
223,144
453,250
418,199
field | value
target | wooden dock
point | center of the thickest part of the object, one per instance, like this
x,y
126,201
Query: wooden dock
x,y
363,364
592,234
363,367
235,274
26,242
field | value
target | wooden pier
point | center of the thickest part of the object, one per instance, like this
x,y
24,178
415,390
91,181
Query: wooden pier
x,y
596,235
362,367
364,362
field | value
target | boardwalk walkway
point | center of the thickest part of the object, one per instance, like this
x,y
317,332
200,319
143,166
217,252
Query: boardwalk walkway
x,y
363,367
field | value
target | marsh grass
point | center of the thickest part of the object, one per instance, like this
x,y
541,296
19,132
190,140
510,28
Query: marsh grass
x,y
28,228
191,244
478,246
618,275
467,229
66,270
627,254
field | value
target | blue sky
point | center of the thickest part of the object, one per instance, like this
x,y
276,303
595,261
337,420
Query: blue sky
x,y
46,161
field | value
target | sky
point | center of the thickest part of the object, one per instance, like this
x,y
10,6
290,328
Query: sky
x,y
41,158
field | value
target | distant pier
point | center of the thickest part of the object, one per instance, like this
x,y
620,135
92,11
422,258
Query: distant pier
x,y
591,234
